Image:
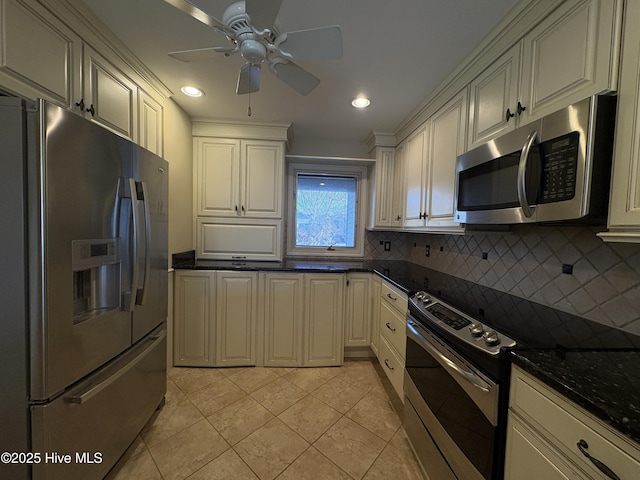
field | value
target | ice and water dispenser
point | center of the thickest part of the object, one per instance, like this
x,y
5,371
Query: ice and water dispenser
x,y
96,278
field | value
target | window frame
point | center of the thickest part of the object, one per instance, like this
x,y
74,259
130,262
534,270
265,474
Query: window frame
x,y
360,174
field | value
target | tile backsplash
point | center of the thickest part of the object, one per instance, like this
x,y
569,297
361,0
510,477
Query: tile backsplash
x,y
565,267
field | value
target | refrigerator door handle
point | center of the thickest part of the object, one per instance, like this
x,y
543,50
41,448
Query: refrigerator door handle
x,y
103,381
142,295
134,244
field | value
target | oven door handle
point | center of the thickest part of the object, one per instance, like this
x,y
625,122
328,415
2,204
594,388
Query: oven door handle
x,y
466,374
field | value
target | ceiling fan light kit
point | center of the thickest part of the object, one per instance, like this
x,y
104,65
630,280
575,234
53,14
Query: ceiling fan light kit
x,y
249,26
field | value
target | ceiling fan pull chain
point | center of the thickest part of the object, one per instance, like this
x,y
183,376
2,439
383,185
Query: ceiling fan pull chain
x,y
249,107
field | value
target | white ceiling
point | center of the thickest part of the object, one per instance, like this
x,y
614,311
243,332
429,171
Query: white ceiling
x,y
395,51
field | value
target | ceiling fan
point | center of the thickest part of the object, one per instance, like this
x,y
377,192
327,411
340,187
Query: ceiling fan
x,y
250,26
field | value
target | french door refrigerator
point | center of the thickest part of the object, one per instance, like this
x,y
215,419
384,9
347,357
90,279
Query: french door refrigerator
x,y
83,292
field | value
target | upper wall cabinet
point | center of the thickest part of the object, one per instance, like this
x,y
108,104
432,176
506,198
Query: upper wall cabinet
x,y
416,173
624,205
569,56
110,97
40,57
239,178
50,54
493,99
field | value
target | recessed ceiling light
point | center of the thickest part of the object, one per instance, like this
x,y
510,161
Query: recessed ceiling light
x,y
361,102
192,91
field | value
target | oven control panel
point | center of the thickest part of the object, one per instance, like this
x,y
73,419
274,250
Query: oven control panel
x,y
459,324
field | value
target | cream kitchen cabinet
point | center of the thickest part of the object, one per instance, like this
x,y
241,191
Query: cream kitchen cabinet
x,y
570,55
324,319
239,178
430,167
416,172
236,318
493,99
624,205
151,123
110,97
376,291
215,318
238,239
358,314
393,304
382,196
546,433
41,57
283,317
194,318
447,141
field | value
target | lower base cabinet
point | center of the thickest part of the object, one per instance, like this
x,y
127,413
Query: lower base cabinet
x,y
239,318
546,432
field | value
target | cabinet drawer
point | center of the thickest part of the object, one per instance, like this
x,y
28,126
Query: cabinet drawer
x,y
395,297
392,365
566,425
393,327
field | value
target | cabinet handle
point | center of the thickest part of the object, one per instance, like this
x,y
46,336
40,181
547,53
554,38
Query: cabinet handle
x,y
509,115
521,108
92,110
80,104
582,446
398,217
392,297
390,328
242,209
238,258
236,208
386,362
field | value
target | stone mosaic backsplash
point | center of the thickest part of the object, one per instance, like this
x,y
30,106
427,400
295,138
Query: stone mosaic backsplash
x,y
565,267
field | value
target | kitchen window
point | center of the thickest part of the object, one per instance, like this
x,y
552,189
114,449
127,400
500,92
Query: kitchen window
x,y
325,217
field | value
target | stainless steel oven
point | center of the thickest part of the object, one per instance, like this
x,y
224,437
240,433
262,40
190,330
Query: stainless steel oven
x,y
454,405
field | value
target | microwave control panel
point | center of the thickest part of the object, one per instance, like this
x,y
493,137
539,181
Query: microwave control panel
x,y
559,161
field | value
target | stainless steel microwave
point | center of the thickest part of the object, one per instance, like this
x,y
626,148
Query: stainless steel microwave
x,y
555,169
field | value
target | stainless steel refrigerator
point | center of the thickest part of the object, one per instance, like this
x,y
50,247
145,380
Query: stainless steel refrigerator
x,y
83,292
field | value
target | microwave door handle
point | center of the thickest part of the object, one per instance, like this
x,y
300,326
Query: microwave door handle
x,y
522,173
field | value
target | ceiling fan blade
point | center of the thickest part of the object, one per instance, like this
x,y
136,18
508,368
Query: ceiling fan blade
x,y
312,44
249,79
198,54
200,15
296,77
263,13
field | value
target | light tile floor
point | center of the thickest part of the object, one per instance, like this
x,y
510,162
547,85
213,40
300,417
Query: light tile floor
x,y
274,423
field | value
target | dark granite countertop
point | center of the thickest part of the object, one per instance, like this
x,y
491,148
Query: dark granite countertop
x,y
605,383
596,366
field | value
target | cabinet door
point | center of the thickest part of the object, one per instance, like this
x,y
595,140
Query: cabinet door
x,y
528,457
39,56
217,177
447,141
570,55
624,206
262,179
358,320
238,239
376,290
383,195
493,99
110,97
283,319
323,336
236,318
397,206
415,179
150,130
194,311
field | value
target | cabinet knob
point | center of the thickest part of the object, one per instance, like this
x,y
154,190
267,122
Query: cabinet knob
x,y
92,110
80,104
521,108
508,116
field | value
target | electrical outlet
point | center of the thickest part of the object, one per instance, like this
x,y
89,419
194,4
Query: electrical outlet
x,y
567,268
427,250
387,246
485,255
442,249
